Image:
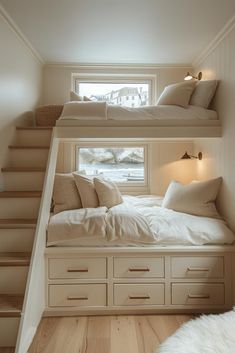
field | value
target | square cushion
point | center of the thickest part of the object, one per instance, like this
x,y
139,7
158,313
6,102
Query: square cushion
x,y
177,94
74,97
203,93
197,198
86,189
108,193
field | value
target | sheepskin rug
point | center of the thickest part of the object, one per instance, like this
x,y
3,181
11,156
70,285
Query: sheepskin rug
x,y
206,334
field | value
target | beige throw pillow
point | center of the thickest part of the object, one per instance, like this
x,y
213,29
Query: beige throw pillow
x,y
65,193
203,93
86,189
196,198
177,94
74,97
108,193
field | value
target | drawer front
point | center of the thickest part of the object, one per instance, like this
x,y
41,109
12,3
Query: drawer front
x,y
138,294
197,294
77,295
77,268
138,267
197,267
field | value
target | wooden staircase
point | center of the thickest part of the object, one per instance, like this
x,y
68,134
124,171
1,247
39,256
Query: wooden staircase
x,y
19,206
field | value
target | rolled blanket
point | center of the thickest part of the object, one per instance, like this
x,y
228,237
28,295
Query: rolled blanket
x,y
85,110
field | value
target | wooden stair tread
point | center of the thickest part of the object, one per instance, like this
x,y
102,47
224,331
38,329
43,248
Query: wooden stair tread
x,y
19,194
14,259
24,147
15,223
11,305
22,169
34,128
7,349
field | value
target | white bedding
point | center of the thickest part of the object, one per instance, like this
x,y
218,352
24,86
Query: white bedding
x,y
103,111
138,221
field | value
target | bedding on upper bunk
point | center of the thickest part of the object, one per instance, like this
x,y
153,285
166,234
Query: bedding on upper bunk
x,y
138,221
103,111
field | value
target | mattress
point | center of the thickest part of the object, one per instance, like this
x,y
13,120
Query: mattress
x,y
138,221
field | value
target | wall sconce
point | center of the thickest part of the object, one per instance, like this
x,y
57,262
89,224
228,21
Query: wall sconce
x,y
188,156
190,77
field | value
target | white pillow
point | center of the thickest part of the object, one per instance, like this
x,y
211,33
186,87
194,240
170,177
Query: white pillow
x,y
65,193
203,93
74,97
86,99
108,193
196,198
86,189
177,94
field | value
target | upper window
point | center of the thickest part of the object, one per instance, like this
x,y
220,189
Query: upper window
x,y
127,92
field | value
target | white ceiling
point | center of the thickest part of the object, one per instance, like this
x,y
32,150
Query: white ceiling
x,y
120,31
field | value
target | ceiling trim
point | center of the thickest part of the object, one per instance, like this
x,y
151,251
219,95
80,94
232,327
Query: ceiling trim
x,y
19,34
116,66
215,42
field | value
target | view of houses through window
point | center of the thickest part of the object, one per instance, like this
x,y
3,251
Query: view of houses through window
x,y
119,164
124,94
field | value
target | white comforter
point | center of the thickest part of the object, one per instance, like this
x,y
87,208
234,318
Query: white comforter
x,y
137,221
103,111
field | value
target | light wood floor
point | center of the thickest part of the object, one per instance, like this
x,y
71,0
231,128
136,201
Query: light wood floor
x,y
105,334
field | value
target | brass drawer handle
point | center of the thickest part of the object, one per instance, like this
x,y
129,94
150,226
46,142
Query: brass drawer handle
x,y
139,296
202,269
199,296
77,270
131,269
77,298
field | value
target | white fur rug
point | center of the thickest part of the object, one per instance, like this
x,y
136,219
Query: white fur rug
x,y
207,334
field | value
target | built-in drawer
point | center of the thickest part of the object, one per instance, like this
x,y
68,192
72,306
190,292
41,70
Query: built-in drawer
x,y
77,268
138,267
138,294
197,294
77,295
197,267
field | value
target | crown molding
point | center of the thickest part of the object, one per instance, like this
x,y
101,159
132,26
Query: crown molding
x,y
115,66
215,42
19,34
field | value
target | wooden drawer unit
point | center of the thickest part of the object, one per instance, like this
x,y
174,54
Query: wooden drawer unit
x,y
197,267
77,295
140,267
197,294
139,294
77,268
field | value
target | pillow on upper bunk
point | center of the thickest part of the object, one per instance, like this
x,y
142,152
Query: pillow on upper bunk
x,y
203,93
86,189
86,99
65,194
177,94
108,193
74,97
197,198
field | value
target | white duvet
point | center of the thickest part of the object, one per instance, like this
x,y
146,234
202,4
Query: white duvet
x,y
137,221
103,111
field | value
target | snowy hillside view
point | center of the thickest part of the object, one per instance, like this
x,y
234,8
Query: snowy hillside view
x,y
118,164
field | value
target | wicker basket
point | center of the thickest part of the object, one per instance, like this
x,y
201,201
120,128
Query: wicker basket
x,y
47,115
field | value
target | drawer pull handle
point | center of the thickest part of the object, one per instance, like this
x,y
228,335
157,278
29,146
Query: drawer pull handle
x,y
204,269
139,296
77,270
146,269
77,298
199,296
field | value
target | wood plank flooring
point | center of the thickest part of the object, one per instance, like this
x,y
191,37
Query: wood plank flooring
x,y
105,334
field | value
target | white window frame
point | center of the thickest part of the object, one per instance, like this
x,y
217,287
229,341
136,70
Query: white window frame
x,y
133,185
116,78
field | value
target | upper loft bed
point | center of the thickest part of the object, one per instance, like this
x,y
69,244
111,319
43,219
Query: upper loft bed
x,y
177,114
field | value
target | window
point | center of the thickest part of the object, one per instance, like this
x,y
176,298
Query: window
x,y
115,89
120,164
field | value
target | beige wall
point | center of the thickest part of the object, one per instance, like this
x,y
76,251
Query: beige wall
x,y
20,86
57,79
219,154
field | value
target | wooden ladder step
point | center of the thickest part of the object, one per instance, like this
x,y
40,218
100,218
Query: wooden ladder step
x,y
14,259
18,147
7,349
14,223
11,305
34,128
22,169
20,194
